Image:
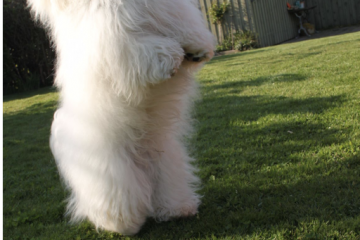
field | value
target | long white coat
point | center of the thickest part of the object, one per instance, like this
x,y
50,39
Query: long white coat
x,y
125,98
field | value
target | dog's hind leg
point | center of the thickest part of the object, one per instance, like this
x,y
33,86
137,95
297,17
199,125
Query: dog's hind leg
x,y
107,186
174,194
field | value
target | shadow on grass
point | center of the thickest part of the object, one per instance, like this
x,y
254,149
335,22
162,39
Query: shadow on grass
x,y
236,54
34,115
344,31
251,108
299,56
26,130
305,183
236,86
240,197
281,58
229,210
333,44
284,56
264,206
32,192
18,96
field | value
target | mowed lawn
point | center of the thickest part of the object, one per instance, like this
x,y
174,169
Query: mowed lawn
x,y
277,147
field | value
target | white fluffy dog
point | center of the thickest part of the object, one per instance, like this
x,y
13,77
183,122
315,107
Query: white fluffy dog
x,y
125,73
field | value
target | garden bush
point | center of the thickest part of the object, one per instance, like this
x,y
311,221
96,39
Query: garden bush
x,y
245,40
27,53
240,40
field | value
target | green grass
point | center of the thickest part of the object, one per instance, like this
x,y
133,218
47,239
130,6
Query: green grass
x,y
278,148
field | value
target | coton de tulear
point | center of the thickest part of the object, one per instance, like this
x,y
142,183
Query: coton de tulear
x,y
125,74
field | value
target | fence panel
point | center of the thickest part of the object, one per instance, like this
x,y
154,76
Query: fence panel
x,y
272,23
267,18
334,13
237,18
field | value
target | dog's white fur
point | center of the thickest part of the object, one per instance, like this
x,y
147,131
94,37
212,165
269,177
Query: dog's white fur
x,y
125,98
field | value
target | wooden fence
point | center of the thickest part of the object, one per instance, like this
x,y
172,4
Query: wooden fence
x,y
334,13
272,23
239,17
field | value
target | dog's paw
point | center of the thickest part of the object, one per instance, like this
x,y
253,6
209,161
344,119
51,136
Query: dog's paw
x,y
186,209
163,214
168,64
199,56
170,56
174,71
174,67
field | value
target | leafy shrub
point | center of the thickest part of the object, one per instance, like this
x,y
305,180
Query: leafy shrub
x,y
28,56
217,12
225,45
245,40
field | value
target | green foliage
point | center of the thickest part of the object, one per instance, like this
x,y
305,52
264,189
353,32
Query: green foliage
x,y
225,45
217,12
241,41
28,57
277,148
245,40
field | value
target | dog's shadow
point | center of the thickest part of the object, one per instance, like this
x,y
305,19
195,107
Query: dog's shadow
x,y
234,211
253,176
261,177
